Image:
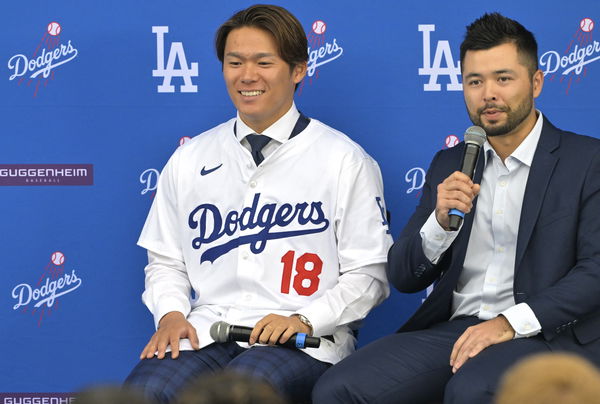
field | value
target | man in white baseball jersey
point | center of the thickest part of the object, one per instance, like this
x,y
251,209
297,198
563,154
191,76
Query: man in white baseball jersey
x,y
271,220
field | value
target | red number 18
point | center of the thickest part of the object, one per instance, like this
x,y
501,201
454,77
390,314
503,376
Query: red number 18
x,y
302,273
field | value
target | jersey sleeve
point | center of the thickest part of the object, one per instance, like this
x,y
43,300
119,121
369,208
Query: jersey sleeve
x,y
161,232
363,240
167,286
361,224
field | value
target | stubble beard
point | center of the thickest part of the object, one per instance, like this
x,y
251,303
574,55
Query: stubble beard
x,y
513,117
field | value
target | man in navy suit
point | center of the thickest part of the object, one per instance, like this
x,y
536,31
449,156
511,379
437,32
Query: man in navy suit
x,y
522,273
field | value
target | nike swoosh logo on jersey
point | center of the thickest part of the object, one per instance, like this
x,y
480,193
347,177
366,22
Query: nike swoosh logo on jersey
x,y
204,171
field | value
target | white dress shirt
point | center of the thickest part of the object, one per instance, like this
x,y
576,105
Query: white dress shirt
x,y
279,132
485,285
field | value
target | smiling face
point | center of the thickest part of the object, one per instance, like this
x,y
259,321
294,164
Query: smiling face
x,y
260,83
499,91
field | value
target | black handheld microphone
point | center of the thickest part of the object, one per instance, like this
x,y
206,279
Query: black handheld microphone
x,y
223,332
474,139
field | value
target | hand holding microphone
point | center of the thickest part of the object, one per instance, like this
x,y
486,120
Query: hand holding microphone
x,y
456,193
223,332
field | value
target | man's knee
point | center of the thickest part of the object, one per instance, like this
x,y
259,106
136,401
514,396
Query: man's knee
x,y
467,387
159,380
150,386
333,387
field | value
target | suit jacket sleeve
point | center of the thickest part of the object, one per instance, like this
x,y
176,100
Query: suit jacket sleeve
x,y
409,270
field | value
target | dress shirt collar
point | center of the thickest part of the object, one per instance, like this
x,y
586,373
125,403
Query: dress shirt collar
x,y
279,131
525,151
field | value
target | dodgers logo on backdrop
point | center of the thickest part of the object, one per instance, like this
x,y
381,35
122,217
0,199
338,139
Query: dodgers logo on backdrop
x,y
176,56
41,298
415,177
442,65
212,225
321,50
571,66
149,179
49,54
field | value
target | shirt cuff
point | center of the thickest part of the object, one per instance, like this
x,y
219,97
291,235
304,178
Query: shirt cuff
x,y
522,320
434,239
168,305
321,324
356,293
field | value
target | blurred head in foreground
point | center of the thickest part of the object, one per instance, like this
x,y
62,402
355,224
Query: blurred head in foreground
x,y
229,388
552,378
110,395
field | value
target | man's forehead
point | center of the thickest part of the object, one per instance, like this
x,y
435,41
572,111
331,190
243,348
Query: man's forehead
x,y
250,42
249,55
507,50
497,58
250,36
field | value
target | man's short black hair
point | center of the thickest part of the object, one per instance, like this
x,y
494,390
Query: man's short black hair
x,y
494,29
287,32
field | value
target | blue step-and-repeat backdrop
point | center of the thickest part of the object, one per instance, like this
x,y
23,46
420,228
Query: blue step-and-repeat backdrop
x,y
95,96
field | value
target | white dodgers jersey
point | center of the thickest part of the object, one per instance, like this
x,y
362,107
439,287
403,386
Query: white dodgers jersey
x,y
277,238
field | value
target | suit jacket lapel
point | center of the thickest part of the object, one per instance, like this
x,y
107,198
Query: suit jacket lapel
x,y
540,173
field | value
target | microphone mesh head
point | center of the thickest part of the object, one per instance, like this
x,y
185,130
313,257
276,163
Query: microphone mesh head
x,y
219,331
475,135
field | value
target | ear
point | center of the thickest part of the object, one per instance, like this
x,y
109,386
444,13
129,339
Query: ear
x,y
537,83
298,72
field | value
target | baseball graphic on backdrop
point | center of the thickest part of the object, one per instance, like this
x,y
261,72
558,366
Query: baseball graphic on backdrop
x,y
319,27
452,141
54,28
586,25
57,258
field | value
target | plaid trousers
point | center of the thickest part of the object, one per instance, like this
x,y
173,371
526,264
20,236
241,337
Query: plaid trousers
x,y
290,371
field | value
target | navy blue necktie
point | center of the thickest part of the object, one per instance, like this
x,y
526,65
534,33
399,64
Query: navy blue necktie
x,y
257,142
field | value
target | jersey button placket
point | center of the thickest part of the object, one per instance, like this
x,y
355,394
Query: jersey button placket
x,y
245,273
248,261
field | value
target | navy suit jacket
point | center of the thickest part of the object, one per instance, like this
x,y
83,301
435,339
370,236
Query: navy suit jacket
x,y
557,265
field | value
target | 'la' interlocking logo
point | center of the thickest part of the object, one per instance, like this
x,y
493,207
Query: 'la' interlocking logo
x,y
176,54
435,69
